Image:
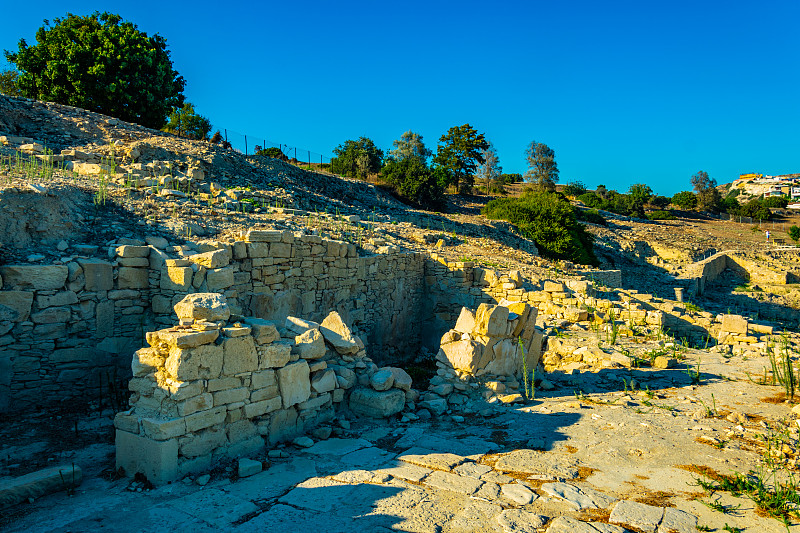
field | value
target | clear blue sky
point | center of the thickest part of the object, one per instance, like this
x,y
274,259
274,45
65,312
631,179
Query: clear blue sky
x,y
624,92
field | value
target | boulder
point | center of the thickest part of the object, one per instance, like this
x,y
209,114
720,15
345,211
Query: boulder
x,y
382,380
310,344
377,404
206,306
338,335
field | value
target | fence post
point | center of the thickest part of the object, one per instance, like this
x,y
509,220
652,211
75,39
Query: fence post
x,y
226,136
245,145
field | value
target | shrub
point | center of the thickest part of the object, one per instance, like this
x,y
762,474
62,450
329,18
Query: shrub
x,y
590,199
274,152
776,202
574,189
660,215
548,220
592,216
756,209
414,181
794,233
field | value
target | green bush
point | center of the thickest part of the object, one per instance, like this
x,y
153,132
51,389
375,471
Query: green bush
x,y
550,221
660,215
776,202
273,152
756,209
592,216
794,233
574,189
590,199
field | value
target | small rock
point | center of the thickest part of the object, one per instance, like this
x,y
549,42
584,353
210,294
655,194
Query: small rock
x,y
382,380
322,433
203,480
62,245
518,493
303,442
249,467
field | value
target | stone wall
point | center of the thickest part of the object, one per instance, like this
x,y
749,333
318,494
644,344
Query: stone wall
x,y
211,388
68,329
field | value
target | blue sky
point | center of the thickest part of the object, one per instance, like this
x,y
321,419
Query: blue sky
x,y
624,92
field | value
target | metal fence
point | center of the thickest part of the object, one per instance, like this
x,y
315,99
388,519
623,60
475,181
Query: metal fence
x,y
250,144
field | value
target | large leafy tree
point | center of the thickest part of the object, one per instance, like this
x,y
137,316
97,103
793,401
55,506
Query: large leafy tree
x,y
685,200
460,152
357,159
639,194
542,171
705,188
186,122
409,145
100,63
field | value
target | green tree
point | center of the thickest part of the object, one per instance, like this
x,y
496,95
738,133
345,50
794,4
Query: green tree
x,y
639,194
100,63
705,187
685,200
794,233
185,122
542,171
460,152
9,80
414,181
410,145
574,188
357,159
513,177
490,170
273,152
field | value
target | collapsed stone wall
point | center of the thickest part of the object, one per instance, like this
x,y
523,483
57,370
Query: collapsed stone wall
x,y
211,388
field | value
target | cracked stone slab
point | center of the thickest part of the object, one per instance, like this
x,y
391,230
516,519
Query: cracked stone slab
x,y
518,493
488,491
353,476
563,524
474,512
282,517
453,482
275,481
472,470
407,471
427,458
551,465
338,446
677,521
579,498
214,507
520,521
639,515
410,437
368,458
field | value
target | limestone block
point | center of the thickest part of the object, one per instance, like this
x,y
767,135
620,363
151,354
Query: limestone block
x,y
505,361
240,356
183,390
463,355
133,251
156,460
274,355
99,275
175,278
734,324
133,278
52,315
257,249
215,385
240,431
184,338
146,361
212,259
261,235
382,380
284,426
576,314
202,443
126,422
31,486
280,249
377,404
201,402
466,321
310,344
338,335
105,319
229,396
266,393
450,336
402,380
252,410
219,278
19,302
183,364
345,377
163,429
490,320
553,286
39,277
263,378
57,300
294,382
208,306
205,419
264,331
323,381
